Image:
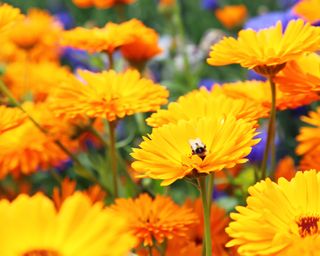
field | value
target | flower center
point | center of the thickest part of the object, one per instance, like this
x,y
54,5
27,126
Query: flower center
x,y
308,226
41,252
198,148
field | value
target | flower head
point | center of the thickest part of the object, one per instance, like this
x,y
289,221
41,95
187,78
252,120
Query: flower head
x,y
301,75
309,137
34,78
64,232
24,149
106,39
308,10
268,47
144,44
278,217
285,168
10,118
231,15
8,16
260,93
173,151
100,3
154,219
108,95
202,103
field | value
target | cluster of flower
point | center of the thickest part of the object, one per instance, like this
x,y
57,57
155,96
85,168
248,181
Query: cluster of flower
x,y
109,201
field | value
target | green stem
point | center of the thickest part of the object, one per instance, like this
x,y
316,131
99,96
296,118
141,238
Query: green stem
x,y
270,146
113,156
149,250
206,216
111,61
210,190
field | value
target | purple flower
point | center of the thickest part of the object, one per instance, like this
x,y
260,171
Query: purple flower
x,y
252,75
207,83
210,4
65,19
287,3
270,19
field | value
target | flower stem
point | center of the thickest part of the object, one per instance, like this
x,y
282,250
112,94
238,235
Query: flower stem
x,y
206,216
210,190
270,146
111,60
113,155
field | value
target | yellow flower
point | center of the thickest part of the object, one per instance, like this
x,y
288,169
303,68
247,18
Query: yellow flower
x,y
154,219
268,49
108,95
106,39
34,78
200,103
301,75
232,15
78,228
8,16
198,146
308,10
260,93
309,137
280,218
25,149
10,118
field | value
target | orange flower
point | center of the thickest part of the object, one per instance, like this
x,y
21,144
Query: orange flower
x,y
207,104
25,149
35,37
267,50
8,16
285,168
106,39
308,10
108,95
154,219
309,137
100,3
232,15
68,188
301,75
310,160
164,3
144,44
36,78
260,93
10,118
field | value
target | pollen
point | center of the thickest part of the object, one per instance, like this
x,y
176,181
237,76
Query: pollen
x,y
308,226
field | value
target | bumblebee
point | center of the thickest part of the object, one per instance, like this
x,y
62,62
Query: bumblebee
x,y
198,148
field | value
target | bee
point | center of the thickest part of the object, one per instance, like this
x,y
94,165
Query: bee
x,y
198,148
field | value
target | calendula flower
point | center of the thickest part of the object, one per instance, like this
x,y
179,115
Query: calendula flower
x,y
193,147
34,78
100,3
301,75
279,217
77,228
38,27
10,118
207,104
144,44
25,149
249,50
108,95
154,220
8,16
310,160
260,93
68,188
106,39
308,10
231,15
166,3
309,137
285,168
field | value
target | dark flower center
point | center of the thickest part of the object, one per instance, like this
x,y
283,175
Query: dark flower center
x,y
308,226
41,252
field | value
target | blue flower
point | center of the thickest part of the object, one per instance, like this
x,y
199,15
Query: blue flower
x,y
207,83
65,19
270,19
210,4
252,75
